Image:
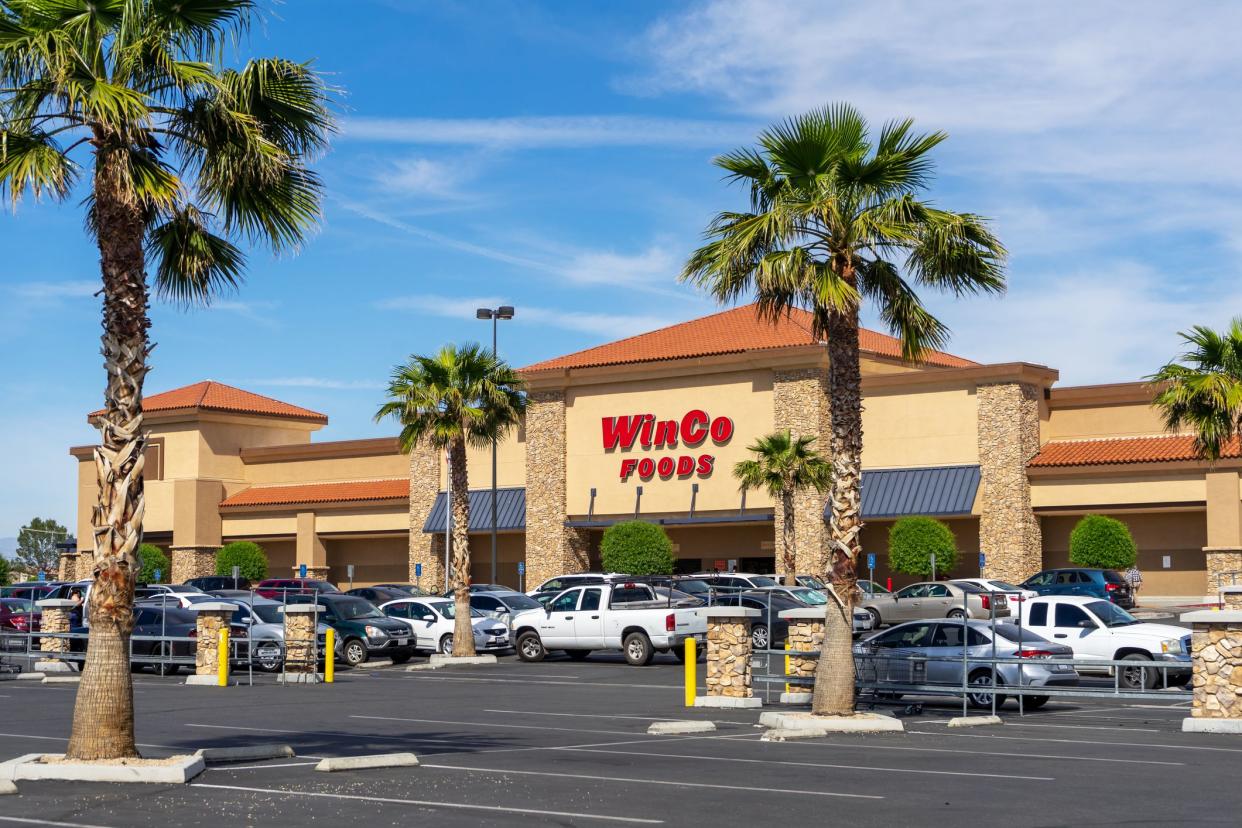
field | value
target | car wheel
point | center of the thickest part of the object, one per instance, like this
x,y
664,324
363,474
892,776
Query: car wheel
x,y
162,667
577,655
269,655
638,649
446,644
980,693
876,621
1138,676
759,637
956,614
530,648
1034,702
355,652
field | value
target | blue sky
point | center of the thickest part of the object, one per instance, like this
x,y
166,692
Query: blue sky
x,y
556,156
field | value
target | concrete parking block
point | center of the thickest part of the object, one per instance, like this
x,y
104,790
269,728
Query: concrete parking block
x,y
7,787
21,677
53,667
245,753
785,734
795,698
166,773
975,721
206,681
74,679
730,702
1212,726
680,726
300,678
382,760
857,723
454,661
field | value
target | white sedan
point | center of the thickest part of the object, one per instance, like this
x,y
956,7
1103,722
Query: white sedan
x,y
1015,594
432,620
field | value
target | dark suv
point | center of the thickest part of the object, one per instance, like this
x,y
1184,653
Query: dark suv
x,y
1108,584
364,631
211,583
280,589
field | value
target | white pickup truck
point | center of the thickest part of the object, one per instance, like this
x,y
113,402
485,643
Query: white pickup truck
x,y
630,617
1099,630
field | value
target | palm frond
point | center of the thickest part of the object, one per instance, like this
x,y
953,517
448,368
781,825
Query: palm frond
x,y
194,265
32,161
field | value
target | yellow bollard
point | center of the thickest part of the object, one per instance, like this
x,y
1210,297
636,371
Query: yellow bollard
x,y
787,690
692,677
222,658
329,657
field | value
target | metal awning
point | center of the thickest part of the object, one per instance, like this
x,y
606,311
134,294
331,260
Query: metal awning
x,y
510,511
935,490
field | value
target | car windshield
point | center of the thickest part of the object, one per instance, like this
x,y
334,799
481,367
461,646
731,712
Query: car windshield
x,y
351,610
1004,586
967,586
1110,614
872,588
763,581
518,602
1018,635
449,610
810,596
17,605
269,613
811,581
1112,576
694,587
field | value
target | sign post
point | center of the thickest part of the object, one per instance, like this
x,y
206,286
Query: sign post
x,y
521,576
349,571
871,567
236,575
418,574
158,573
982,562
933,563
301,570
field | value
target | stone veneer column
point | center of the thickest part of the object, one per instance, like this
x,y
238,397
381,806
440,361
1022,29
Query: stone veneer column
x,y
728,658
1216,664
54,619
1008,438
213,616
800,404
551,547
301,623
188,562
1231,597
67,566
426,549
806,633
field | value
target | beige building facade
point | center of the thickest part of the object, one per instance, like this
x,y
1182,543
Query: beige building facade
x,y
652,426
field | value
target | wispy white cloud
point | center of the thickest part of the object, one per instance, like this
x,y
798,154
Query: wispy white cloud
x,y
259,312
424,177
54,291
606,326
548,131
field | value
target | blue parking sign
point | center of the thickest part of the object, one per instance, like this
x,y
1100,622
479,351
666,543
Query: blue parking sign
x,y
157,575
301,570
870,560
982,560
418,570
521,567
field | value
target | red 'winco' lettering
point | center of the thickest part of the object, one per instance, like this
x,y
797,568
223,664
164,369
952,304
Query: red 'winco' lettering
x,y
626,432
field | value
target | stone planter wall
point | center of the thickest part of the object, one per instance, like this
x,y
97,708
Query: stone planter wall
x,y
1216,656
318,573
55,619
805,634
1231,597
190,562
301,622
1222,562
729,653
212,617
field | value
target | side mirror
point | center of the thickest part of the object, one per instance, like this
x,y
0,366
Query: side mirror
x,y
547,608
1087,624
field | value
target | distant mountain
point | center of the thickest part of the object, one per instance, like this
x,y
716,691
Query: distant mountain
x,y
8,547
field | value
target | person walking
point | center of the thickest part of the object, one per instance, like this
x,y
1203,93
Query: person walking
x,y
1135,579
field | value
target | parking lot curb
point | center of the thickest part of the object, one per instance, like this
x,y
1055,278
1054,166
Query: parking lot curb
x,y
206,681
1212,726
448,660
53,667
74,679
784,734
975,721
729,702
373,665
857,723
680,726
31,767
382,760
245,753
795,698
7,787
21,676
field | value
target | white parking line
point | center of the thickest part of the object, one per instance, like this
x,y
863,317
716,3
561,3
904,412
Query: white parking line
x,y
260,767
1137,717
1113,728
1076,741
814,764
853,746
428,803
326,733
65,739
495,724
29,821
593,716
748,790
426,676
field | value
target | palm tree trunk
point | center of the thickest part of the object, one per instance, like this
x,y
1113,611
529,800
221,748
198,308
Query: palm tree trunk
x,y
834,675
103,715
789,554
463,630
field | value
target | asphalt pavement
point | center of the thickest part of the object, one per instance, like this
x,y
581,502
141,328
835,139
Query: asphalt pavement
x,y
565,743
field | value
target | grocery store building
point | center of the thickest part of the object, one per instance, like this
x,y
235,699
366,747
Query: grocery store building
x,y
651,426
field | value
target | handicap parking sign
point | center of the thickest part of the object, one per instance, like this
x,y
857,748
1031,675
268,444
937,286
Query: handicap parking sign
x,y
418,570
870,560
521,567
301,570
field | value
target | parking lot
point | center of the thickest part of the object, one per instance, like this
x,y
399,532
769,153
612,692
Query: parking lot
x,y
565,742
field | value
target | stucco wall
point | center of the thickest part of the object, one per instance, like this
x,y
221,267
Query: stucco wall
x,y
920,426
1117,489
1180,535
744,397
376,560
328,469
875,540
1111,420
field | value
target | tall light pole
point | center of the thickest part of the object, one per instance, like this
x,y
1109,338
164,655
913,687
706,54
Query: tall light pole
x,y
494,314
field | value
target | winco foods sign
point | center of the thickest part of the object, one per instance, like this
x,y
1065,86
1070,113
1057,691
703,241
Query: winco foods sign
x,y
643,432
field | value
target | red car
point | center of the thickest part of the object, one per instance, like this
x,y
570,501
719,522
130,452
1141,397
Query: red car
x,y
16,614
281,589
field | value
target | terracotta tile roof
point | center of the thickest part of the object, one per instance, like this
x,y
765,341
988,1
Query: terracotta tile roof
x,y
216,396
728,332
1123,450
353,490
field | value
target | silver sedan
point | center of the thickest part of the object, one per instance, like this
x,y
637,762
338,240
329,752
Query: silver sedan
x,y
934,599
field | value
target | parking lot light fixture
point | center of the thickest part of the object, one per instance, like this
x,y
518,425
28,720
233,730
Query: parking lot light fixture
x,y
495,315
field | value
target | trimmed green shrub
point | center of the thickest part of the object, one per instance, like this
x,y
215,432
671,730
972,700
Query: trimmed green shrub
x,y
248,556
153,561
636,547
913,540
1102,542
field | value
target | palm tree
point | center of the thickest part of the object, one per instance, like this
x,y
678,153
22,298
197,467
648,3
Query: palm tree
x,y
184,159
464,395
836,218
785,465
1203,392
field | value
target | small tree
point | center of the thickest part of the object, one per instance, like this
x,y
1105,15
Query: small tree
x,y
913,540
36,544
247,556
1103,542
154,566
636,547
